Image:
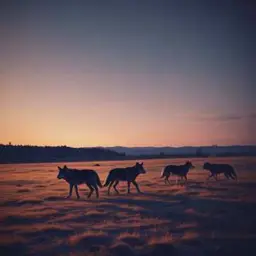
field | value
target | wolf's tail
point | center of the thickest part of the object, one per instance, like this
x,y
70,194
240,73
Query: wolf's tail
x,y
108,180
163,173
98,181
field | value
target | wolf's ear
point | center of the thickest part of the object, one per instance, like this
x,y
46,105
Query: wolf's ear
x,y
59,168
141,163
65,166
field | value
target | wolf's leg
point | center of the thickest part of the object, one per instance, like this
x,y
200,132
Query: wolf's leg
x,y
226,175
128,185
180,180
70,191
115,186
232,176
91,190
235,175
136,186
96,190
186,179
109,187
77,194
167,178
207,179
216,177
211,175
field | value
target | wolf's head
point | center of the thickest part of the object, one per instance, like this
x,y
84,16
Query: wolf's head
x,y
190,165
62,172
140,168
206,166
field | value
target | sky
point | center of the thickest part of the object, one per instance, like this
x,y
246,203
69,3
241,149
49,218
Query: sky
x,y
128,73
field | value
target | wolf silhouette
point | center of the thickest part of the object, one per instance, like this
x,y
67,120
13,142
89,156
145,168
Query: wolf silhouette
x,y
216,169
75,177
128,174
177,170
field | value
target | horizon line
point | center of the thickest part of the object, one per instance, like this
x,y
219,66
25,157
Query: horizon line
x,y
167,146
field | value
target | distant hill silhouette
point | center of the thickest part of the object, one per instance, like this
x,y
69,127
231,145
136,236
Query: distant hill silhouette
x,y
39,154
36,154
236,150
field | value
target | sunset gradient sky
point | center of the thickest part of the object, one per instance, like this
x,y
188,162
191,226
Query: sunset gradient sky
x,y
130,73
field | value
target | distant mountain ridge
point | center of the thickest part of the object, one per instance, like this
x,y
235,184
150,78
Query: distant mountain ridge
x,y
40,154
187,150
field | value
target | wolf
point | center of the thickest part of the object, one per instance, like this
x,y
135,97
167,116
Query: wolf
x,y
76,177
216,169
128,174
177,170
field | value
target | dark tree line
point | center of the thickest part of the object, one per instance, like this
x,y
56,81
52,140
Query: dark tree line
x,y
35,154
